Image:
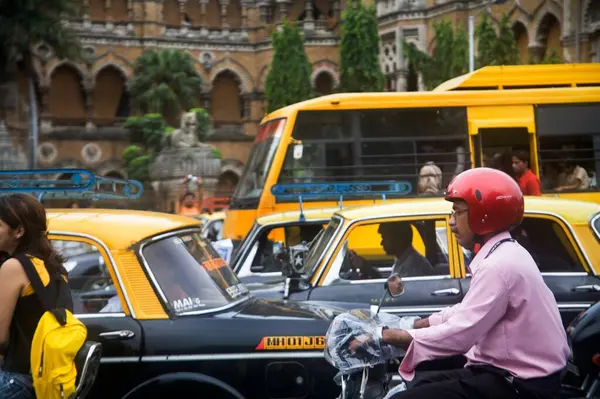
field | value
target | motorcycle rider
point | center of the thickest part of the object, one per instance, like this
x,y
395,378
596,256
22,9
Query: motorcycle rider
x,y
508,325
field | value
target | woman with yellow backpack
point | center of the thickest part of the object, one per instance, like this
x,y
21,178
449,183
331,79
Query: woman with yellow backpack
x,y
38,332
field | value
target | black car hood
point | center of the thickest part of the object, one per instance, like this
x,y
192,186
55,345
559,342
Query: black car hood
x,y
282,309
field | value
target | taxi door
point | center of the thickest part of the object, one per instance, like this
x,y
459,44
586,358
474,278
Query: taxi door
x,y
99,302
429,258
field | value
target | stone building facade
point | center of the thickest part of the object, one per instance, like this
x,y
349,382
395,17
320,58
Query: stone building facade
x,y
82,105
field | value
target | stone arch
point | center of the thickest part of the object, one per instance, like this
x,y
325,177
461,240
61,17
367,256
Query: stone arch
x,y
327,67
229,176
67,164
227,105
83,75
110,96
521,36
112,167
110,64
541,14
247,85
67,97
548,34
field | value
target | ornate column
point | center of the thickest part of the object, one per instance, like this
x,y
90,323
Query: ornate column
x,y
88,90
224,24
107,8
536,49
182,20
86,13
283,5
45,115
245,7
309,20
263,8
203,21
246,107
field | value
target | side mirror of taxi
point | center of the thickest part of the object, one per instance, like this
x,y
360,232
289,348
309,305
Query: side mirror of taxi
x,y
394,286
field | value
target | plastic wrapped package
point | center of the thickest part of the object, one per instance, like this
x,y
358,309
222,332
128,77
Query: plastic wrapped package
x,y
361,324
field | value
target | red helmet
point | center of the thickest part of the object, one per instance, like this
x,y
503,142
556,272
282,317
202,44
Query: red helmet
x,y
494,198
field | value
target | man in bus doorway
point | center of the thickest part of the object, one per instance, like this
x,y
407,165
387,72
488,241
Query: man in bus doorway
x,y
528,181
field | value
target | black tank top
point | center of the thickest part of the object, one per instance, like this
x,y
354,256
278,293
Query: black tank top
x,y
27,314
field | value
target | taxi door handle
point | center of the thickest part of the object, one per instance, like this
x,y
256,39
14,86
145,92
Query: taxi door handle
x,y
446,292
121,334
587,288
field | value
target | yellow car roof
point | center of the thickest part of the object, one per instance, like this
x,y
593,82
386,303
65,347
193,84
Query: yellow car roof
x,y
117,228
573,211
311,214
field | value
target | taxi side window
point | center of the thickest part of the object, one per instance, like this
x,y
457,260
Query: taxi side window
x,y
415,248
549,245
91,286
272,241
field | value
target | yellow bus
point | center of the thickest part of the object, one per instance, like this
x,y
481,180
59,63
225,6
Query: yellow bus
x,y
551,111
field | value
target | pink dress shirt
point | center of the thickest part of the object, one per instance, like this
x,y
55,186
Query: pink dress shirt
x,y
508,319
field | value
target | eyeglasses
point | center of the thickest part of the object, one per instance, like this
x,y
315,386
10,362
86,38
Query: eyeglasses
x,y
455,213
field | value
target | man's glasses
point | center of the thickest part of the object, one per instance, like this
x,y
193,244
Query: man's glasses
x,y
456,212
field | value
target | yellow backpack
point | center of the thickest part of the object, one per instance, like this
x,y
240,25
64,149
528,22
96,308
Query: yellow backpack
x,y
57,339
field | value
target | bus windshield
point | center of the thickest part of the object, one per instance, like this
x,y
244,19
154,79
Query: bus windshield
x,y
252,182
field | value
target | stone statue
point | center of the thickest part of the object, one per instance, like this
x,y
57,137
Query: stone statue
x,y
185,136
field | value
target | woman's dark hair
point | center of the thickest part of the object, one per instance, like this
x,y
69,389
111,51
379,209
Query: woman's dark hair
x,y
25,211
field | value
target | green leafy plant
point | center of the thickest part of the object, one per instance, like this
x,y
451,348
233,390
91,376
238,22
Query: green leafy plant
x,y
204,123
496,49
288,80
360,70
449,58
165,82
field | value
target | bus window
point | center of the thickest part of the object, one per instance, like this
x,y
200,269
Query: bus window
x,y
379,144
569,146
498,145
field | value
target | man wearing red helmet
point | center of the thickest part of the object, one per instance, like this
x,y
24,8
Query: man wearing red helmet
x,y
508,325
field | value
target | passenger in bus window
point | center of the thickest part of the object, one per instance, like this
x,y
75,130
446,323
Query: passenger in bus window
x,y
528,181
573,177
430,179
503,161
549,176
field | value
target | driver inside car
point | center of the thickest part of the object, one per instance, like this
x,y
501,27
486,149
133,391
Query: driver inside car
x,y
397,241
508,325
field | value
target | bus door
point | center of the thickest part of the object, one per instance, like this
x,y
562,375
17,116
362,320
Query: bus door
x,y
497,131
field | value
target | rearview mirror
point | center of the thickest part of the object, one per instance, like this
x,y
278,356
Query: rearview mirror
x,y
394,286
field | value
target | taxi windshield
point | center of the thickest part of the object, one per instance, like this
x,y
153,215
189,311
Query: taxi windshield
x,y
191,275
318,246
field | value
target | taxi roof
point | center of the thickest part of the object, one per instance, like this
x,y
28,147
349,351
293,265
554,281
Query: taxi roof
x,y
573,211
294,216
117,228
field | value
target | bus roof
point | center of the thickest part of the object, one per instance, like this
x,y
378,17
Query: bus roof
x,y
346,101
525,76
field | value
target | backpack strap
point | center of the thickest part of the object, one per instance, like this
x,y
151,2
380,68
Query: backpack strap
x,y
43,292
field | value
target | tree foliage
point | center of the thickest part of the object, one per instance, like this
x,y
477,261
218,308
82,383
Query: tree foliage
x,y
496,48
449,58
165,82
24,24
360,69
288,80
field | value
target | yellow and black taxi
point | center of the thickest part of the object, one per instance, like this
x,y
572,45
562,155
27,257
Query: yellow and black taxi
x,y
354,255
258,256
172,317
